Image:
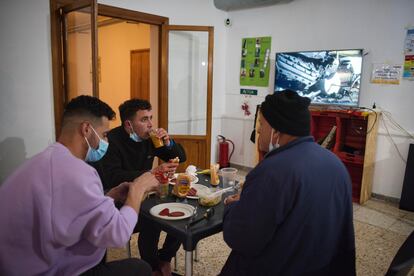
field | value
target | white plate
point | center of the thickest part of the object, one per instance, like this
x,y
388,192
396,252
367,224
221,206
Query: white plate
x,y
187,209
198,187
195,179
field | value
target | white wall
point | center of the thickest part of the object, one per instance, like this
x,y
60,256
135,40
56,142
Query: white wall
x,y
26,105
375,25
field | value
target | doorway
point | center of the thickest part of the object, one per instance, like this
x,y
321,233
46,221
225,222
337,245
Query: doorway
x,y
93,68
124,62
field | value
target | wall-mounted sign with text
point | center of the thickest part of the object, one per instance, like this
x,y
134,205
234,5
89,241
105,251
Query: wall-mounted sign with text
x,y
252,92
386,73
408,73
255,63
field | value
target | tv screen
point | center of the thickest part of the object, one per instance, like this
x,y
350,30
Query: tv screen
x,y
326,77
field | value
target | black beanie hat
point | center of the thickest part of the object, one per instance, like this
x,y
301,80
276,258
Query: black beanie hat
x,y
287,112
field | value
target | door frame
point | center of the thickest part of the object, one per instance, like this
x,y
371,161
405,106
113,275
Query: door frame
x,y
163,100
59,94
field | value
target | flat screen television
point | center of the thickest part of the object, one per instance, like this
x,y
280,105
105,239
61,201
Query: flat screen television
x,y
329,77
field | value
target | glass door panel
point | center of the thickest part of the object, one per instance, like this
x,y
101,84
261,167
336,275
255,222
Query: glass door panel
x,y
187,82
79,53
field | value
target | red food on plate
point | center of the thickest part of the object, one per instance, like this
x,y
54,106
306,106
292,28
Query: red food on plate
x,y
176,214
164,212
192,192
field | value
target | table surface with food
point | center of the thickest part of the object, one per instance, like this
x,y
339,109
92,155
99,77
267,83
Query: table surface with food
x,y
174,216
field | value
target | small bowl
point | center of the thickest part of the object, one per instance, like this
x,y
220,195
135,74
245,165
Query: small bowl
x,y
206,199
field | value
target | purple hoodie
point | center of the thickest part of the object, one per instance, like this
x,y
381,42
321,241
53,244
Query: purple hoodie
x,y
55,218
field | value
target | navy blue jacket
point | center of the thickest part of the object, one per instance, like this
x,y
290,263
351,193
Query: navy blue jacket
x,y
294,216
125,159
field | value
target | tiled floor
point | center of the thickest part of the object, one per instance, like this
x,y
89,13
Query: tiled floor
x,y
380,229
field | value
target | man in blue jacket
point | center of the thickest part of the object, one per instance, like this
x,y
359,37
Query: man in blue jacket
x,y
294,215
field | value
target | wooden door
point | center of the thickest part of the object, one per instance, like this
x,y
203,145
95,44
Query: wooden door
x,y
140,74
74,52
185,102
58,10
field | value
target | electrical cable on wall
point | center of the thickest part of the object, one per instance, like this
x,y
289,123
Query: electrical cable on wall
x,y
375,120
391,120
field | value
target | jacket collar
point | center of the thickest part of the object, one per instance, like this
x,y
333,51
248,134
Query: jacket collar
x,y
289,145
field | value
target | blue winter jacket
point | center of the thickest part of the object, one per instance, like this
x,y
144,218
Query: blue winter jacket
x,y
294,216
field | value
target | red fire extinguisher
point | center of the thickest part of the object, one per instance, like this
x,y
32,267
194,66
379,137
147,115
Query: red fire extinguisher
x,y
224,158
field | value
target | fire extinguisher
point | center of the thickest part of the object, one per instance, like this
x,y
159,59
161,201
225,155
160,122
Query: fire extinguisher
x,y
224,158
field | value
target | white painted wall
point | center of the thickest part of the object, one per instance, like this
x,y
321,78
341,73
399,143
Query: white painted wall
x,y
26,105
375,25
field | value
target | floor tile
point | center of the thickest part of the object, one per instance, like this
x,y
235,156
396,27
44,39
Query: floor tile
x,y
402,227
374,217
355,206
409,217
384,207
365,232
379,252
365,269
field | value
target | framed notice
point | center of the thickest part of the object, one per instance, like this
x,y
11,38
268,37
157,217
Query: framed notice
x,y
255,63
386,74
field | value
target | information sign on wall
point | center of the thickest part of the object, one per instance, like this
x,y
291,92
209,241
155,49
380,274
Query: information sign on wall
x,y
255,63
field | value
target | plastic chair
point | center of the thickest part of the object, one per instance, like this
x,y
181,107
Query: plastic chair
x,y
403,261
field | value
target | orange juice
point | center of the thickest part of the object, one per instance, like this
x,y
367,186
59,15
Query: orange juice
x,y
158,142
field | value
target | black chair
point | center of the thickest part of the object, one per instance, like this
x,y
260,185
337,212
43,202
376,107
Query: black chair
x,y
403,261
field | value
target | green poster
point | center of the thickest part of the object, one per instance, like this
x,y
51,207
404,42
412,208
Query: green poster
x,y
255,63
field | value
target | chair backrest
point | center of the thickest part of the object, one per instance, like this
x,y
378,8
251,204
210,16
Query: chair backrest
x,y
403,261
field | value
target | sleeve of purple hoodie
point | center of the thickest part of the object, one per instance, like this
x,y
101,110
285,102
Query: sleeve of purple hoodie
x,y
80,210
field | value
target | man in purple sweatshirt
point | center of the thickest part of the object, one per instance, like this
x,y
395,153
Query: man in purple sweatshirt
x,y
54,216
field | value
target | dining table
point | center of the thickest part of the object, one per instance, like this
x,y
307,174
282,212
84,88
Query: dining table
x,y
189,236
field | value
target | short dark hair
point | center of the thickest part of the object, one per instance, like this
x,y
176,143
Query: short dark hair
x,y
128,108
87,106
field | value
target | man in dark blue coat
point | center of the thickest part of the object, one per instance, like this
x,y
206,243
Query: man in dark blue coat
x,y
294,215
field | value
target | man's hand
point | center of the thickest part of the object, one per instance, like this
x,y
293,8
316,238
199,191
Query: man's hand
x,y
147,182
138,188
230,199
120,192
168,167
163,134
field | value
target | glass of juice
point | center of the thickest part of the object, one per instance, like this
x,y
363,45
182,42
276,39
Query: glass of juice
x,y
158,142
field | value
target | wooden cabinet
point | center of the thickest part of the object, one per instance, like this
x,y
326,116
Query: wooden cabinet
x,y
354,142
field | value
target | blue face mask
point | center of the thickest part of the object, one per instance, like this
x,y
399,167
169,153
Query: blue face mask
x,y
134,137
271,146
94,155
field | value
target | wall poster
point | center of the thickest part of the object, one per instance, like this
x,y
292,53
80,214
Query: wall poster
x,y
255,63
409,55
